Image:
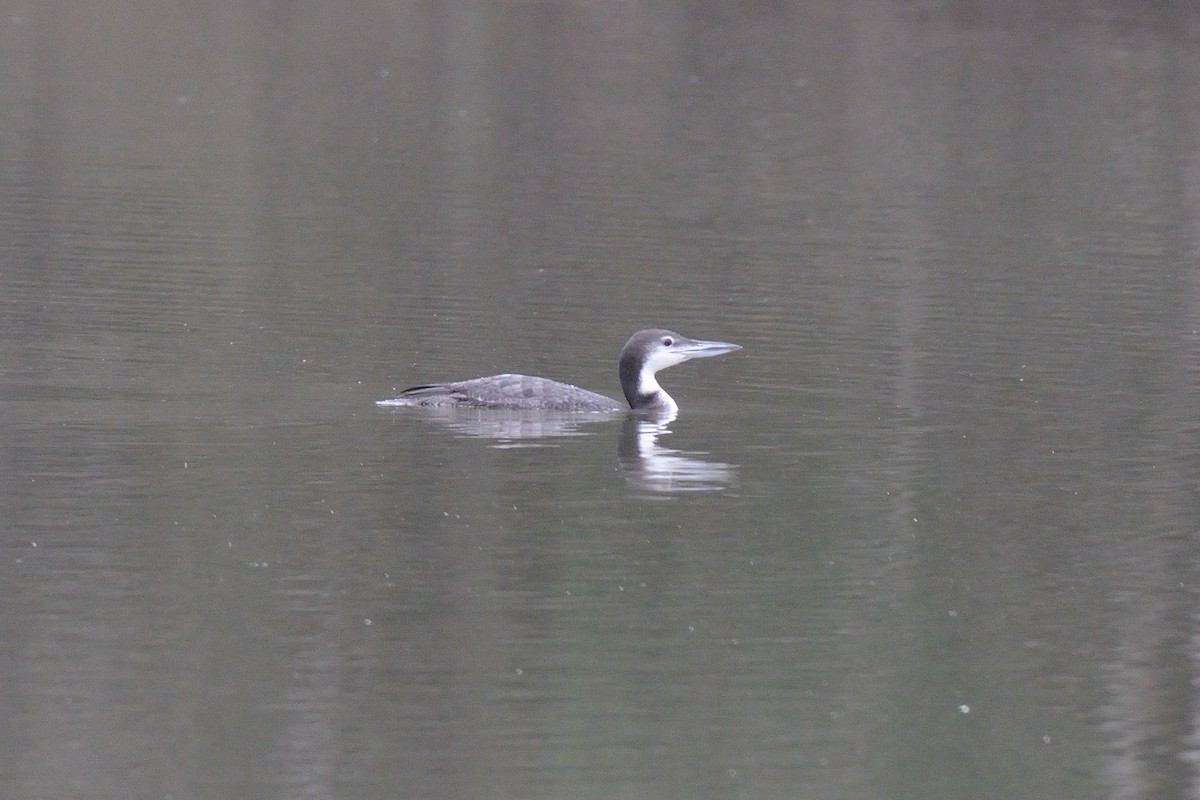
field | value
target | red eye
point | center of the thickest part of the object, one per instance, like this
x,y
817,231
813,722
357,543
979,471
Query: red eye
x,y
668,341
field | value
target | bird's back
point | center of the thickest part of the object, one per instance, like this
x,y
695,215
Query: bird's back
x,y
507,391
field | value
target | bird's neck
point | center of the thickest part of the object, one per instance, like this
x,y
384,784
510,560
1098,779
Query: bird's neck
x,y
644,393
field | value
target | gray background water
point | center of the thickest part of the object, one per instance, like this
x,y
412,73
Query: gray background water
x,y
932,534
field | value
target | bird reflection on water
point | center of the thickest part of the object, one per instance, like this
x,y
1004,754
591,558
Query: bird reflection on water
x,y
644,462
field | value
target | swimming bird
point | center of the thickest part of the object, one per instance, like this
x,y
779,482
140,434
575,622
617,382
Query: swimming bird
x,y
643,355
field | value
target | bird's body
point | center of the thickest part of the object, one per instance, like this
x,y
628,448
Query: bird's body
x,y
644,354
507,391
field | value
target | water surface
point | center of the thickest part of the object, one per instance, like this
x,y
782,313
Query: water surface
x,y
932,533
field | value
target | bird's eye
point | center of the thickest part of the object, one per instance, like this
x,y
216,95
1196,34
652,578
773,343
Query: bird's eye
x,y
668,341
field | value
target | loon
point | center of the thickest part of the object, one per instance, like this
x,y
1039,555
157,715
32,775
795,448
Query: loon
x,y
643,355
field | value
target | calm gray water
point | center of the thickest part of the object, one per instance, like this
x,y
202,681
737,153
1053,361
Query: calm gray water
x,y
932,534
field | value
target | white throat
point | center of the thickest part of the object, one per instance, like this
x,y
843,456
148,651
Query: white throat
x,y
648,386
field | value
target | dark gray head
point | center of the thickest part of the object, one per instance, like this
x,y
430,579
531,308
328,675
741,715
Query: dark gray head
x,y
647,352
